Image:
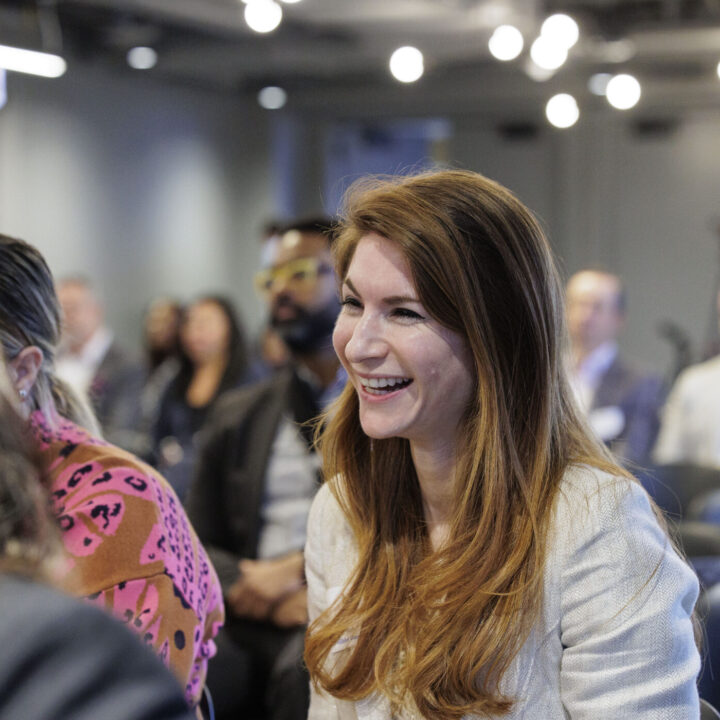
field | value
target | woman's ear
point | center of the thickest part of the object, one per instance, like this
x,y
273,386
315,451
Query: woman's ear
x,y
24,369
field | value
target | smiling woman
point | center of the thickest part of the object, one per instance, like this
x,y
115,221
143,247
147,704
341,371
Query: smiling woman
x,y
413,376
476,551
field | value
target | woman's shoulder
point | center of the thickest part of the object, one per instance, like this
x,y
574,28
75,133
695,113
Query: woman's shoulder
x,y
325,510
606,519
329,532
587,493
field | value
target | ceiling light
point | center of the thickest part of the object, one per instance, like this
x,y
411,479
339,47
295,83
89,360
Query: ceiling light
x,y
290,2
536,73
561,29
547,54
141,58
263,16
31,62
623,92
718,70
562,110
272,97
597,84
406,64
3,89
506,43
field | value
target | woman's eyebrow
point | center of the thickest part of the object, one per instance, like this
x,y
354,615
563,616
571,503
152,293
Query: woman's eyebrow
x,y
391,300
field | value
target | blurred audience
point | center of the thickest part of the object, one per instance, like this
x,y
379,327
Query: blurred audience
x,y
94,365
255,479
274,353
61,659
161,343
132,549
213,359
161,332
690,431
622,403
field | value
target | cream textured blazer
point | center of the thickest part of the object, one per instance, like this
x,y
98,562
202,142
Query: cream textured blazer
x,y
614,640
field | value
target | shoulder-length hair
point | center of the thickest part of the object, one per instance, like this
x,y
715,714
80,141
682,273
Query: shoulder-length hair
x,y
237,363
442,628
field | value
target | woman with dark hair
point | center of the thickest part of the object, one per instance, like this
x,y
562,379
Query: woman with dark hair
x,y
476,552
61,659
132,548
213,359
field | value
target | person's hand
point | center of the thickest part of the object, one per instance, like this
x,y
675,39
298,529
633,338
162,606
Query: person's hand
x,y
291,610
263,583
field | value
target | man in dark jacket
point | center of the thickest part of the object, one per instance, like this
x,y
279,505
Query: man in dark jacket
x,y
621,401
255,479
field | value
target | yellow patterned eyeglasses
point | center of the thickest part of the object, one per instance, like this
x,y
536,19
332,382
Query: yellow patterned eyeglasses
x,y
296,274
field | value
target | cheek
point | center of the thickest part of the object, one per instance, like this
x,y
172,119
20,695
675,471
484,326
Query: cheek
x,y
341,336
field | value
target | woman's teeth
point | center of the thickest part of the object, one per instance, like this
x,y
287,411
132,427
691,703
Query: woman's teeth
x,y
383,386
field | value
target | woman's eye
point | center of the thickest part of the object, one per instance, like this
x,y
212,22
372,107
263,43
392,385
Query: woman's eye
x,y
406,313
351,303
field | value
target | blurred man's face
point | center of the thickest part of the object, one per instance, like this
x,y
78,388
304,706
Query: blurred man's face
x,y
301,291
594,316
82,314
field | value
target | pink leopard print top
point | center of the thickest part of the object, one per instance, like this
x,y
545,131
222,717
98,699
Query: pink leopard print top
x,y
131,548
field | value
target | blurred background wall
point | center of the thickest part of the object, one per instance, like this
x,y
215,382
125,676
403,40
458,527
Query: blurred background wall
x,y
152,187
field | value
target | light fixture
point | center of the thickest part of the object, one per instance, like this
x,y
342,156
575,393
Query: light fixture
x,y
141,58
547,54
623,91
506,43
562,111
536,73
561,29
290,2
31,62
3,89
597,84
406,64
262,16
272,97
718,70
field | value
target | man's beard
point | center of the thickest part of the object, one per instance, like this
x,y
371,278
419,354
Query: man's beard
x,y
310,330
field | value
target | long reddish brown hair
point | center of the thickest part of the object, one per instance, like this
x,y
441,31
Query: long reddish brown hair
x,y
441,628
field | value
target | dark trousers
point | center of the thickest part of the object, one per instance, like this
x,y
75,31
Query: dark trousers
x,y
258,672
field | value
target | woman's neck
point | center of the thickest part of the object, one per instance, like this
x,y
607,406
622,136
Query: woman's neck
x,y
435,468
205,381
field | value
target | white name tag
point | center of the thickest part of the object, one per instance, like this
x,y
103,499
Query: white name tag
x,y
607,422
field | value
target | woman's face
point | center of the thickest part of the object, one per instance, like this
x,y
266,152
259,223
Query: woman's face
x,y
412,375
205,334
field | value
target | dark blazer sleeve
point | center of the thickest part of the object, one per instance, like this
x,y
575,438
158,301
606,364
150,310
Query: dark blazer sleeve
x,y
64,660
206,505
226,493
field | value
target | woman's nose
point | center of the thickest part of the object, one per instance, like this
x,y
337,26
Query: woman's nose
x,y
367,341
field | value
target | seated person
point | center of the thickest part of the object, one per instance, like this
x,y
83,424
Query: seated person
x,y
255,479
132,548
61,659
622,403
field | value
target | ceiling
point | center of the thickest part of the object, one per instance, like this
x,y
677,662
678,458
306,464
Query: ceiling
x,y
334,53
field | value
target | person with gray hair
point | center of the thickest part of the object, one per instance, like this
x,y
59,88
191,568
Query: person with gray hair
x,y
133,550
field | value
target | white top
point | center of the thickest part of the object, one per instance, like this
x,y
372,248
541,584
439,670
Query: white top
x,y
690,429
614,640
291,481
586,376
